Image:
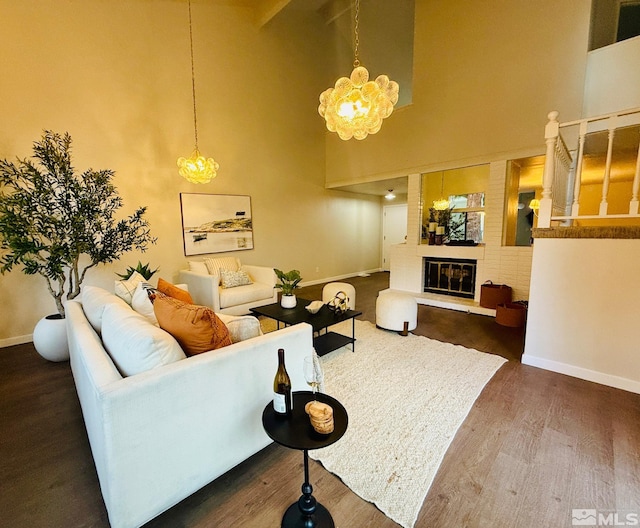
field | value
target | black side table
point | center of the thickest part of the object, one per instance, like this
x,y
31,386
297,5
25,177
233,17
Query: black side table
x,y
297,433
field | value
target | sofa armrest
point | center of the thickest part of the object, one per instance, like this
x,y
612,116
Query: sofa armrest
x,y
261,274
203,288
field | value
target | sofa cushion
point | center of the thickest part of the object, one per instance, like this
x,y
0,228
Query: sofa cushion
x,y
241,327
134,344
214,265
197,328
174,291
125,288
244,294
233,279
94,301
142,304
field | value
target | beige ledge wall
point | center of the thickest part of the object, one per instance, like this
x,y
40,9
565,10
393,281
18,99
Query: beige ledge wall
x,y
583,310
486,74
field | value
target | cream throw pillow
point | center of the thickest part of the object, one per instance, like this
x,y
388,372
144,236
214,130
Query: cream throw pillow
x,y
214,265
232,279
126,288
142,304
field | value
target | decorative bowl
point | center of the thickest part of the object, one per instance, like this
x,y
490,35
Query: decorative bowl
x,y
314,306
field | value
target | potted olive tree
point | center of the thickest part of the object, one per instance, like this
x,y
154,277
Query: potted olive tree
x,y
59,224
288,283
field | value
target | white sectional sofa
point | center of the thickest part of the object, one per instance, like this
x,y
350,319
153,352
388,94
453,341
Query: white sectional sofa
x,y
205,288
160,435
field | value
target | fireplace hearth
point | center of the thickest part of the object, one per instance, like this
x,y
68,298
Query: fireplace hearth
x,y
447,276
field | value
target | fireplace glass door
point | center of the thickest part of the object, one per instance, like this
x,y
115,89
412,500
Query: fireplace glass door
x,y
450,277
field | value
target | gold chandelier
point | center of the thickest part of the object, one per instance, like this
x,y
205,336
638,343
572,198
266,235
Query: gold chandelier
x,y
443,203
355,106
197,168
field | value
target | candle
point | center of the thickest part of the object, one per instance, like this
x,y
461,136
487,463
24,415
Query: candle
x,y
440,230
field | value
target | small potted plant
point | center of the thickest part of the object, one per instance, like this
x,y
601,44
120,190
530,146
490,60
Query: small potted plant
x,y
142,269
288,283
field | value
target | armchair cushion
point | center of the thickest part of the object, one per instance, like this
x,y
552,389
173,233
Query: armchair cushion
x,y
244,294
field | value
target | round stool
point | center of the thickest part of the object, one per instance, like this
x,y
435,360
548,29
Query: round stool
x,y
397,311
329,292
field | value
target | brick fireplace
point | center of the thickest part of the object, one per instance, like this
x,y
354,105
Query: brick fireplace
x,y
501,264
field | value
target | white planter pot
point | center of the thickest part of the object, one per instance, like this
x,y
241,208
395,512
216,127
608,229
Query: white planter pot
x,y
288,301
50,338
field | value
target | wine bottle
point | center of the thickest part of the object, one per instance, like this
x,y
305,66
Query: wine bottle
x,y
282,401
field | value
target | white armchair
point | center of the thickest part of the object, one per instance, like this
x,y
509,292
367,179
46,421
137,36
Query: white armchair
x,y
206,290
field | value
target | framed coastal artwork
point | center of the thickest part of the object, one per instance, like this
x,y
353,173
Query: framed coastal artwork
x,y
216,223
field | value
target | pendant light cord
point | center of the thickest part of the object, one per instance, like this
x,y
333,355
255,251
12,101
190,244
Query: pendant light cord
x,y
356,62
193,79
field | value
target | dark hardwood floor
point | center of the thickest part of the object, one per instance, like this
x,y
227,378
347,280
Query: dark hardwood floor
x,y
535,446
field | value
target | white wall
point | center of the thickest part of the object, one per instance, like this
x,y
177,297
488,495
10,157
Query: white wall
x,y
613,78
583,310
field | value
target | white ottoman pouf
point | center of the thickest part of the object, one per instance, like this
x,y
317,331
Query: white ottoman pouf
x,y
394,309
329,292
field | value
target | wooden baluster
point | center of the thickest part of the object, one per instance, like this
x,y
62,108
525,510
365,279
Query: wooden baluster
x,y
570,185
633,204
607,169
546,202
575,208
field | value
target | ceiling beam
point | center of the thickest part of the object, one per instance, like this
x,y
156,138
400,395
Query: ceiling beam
x,y
267,9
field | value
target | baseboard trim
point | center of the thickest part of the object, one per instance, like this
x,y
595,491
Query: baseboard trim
x,y
579,372
17,340
339,277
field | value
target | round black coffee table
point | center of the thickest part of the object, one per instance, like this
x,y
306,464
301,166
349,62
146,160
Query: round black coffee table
x,y
297,433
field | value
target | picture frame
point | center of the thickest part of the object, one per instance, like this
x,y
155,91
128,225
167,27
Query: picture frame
x,y
216,223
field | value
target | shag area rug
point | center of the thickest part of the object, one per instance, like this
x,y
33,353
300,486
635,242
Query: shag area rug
x,y
406,397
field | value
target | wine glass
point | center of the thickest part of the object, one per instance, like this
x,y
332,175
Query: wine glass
x,y
313,372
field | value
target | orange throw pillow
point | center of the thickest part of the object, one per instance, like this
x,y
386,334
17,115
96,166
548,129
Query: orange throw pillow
x,y
197,328
173,291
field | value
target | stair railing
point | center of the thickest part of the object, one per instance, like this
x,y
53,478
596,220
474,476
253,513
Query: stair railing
x,y
562,173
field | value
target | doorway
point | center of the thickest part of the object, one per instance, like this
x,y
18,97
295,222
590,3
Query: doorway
x,y
394,230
